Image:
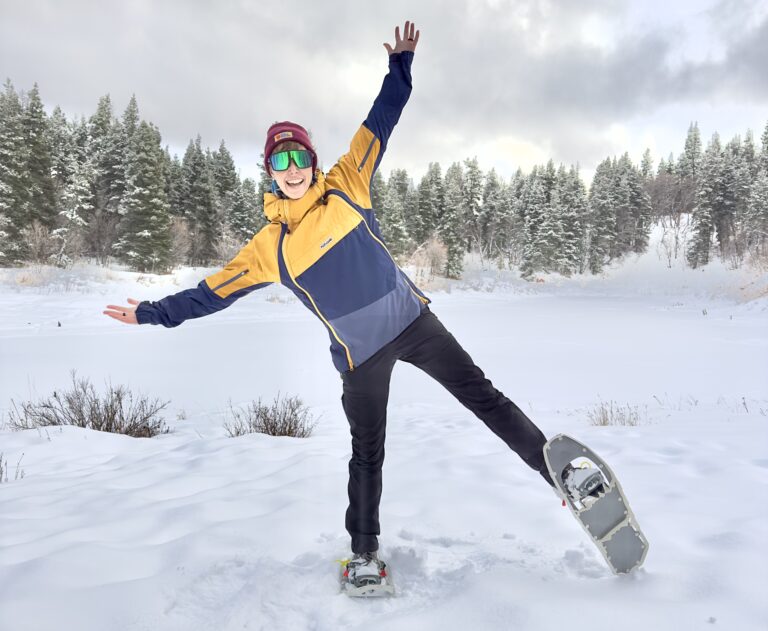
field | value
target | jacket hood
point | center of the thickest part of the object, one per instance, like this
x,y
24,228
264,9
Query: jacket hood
x,y
292,211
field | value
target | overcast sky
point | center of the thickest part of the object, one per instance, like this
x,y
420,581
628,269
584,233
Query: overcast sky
x,y
511,82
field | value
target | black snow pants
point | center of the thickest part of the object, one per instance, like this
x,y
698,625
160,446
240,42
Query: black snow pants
x,y
428,345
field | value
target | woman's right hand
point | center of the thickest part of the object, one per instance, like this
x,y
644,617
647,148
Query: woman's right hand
x,y
124,314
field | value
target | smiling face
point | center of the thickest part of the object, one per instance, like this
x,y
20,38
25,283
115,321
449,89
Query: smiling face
x,y
294,182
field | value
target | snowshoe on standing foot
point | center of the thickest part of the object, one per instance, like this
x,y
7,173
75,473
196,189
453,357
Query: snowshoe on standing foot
x,y
365,576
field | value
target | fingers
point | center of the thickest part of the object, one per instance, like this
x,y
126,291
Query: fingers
x,y
408,40
123,314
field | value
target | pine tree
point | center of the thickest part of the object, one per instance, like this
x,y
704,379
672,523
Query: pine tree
x,y
473,184
13,195
689,162
633,209
98,143
491,213
225,179
602,217
131,118
378,193
756,218
763,162
145,239
173,182
62,148
688,167
40,195
572,199
75,205
510,237
394,225
244,219
198,204
452,224
535,209
709,204
646,166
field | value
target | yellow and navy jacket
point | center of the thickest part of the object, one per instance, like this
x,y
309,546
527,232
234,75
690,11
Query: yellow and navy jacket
x,y
325,247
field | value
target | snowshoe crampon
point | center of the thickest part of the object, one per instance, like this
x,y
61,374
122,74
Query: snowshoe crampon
x,y
591,490
365,576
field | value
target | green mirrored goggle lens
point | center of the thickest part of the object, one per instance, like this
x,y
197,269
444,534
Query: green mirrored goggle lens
x,y
282,159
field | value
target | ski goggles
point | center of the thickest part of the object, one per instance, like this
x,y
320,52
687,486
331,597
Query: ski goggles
x,y
281,160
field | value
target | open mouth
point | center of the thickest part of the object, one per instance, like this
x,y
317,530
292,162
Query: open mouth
x,y
294,183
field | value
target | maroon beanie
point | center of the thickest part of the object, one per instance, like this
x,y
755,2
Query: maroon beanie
x,y
282,132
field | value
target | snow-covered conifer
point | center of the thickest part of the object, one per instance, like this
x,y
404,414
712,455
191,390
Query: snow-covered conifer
x,y
244,217
13,195
472,188
491,213
145,238
394,225
756,218
378,193
709,204
602,216
536,212
198,204
452,223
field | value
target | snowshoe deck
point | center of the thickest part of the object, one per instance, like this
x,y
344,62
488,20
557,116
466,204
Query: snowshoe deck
x,y
604,512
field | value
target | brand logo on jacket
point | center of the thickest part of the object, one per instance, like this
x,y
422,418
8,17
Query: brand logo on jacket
x,y
326,242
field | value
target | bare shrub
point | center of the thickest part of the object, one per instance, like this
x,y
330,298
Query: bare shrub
x,y
227,245
70,246
181,241
101,233
611,413
118,411
430,255
287,416
38,242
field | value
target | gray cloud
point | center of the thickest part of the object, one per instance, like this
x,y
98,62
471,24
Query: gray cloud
x,y
483,69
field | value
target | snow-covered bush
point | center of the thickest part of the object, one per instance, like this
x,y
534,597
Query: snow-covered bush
x,y
287,416
118,411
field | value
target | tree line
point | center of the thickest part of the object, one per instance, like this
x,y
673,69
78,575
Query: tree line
x,y
104,188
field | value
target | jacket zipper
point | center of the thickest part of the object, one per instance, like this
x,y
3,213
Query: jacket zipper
x,y
320,315
365,157
231,280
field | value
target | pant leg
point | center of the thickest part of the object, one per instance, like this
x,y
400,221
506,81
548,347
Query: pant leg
x,y
435,351
366,391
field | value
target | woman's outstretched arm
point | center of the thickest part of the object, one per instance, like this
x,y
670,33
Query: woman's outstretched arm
x,y
354,171
250,270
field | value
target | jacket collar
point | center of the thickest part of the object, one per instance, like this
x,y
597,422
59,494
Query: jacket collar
x,y
292,211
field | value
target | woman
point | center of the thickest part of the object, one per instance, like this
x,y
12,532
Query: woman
x,y
323,242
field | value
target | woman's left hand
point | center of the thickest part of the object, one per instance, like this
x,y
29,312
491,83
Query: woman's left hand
x,y
408,42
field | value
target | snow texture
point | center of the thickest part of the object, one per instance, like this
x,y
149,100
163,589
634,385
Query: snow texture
x,y
194,530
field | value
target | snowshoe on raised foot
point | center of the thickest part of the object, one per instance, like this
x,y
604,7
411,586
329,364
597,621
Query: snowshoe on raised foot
x,y
365,576
593,494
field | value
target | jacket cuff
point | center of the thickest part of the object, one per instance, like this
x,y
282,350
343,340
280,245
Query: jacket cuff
x,y
405,55
144,313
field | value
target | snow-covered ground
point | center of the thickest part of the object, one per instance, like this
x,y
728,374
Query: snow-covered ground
x,y
195,530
